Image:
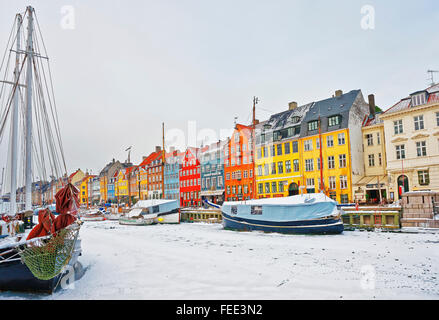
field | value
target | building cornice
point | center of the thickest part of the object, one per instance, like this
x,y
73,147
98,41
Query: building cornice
x,y
385,115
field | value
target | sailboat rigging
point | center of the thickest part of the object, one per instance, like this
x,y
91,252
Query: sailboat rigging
x,y
27,259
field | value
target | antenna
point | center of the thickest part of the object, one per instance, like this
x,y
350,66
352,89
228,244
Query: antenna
x,y
432,72
129,151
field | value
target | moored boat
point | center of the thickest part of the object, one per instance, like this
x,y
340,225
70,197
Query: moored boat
x,y
93,215
302,214
147,212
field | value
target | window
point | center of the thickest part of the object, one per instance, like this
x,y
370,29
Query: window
x,y
313,125
259,170
341,139
318,143
421,148
296,165
288,166
400,152
287,148
295,147
343,182
273,168
309,165
273,150
245,174
281,186
418,100
318,164
330,141
260,188
369,138
397,126
344,198
332,183
273,187
266,169
236,136
437,119
331,162
419,122
424,178
310,185
307,145
265,152
279,149
371,160
267,187
378,138
334,121
380,160
280,167
342,161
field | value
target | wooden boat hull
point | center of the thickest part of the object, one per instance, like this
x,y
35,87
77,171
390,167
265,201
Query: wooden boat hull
x,y
16,276
330,225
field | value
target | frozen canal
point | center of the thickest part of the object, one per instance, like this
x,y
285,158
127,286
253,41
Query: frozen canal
x,y
203,261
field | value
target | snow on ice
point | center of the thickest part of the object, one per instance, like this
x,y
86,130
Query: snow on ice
x,y
203,261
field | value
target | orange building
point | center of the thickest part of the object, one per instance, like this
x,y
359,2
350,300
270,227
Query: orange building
x,y
238,165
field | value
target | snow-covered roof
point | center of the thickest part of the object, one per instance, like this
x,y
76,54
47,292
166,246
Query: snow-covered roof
x,y
150,203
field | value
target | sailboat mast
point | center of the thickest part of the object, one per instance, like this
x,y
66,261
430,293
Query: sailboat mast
x,y
322,185
14,125
163,160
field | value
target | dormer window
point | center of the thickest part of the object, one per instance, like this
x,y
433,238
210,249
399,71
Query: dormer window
x,y
419,99
313,125
334,121
295,119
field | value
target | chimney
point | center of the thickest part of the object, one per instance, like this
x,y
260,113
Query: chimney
x,y
292,105
338,93
372,104
158,149
256,121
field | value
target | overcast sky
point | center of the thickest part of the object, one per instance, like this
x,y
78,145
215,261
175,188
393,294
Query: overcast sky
x,y
127,66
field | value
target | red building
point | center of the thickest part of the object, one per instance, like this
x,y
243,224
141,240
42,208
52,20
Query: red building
x,y
238,165
190,179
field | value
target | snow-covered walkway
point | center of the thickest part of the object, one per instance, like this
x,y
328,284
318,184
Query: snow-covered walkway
x,y
203,261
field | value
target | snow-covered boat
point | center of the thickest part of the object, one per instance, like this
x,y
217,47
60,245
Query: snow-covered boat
x,y
153,211
92,215
302,214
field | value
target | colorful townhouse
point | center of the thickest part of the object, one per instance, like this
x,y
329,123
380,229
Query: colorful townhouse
x,y
373,188
107,174
121,185
291,144
239,165
212,172
173,165
190,178
279,170
84,185
155,172
411,129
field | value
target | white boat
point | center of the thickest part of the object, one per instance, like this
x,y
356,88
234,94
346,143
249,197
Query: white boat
x,y
92,215
302,214
147,212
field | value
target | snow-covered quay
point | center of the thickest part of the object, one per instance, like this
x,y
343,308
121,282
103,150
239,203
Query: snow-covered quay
x,y
203,261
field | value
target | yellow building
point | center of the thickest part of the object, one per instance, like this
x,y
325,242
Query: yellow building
x,y
84,189
288,148
121,186
374,186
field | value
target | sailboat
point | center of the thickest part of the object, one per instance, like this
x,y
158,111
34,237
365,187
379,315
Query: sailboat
x,y
34,260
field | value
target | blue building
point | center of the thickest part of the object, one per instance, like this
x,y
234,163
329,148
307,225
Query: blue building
x,y
212,172
173,162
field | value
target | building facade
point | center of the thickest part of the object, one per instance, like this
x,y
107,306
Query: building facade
x,y
190,178
173,166
239,165
411,128
212,172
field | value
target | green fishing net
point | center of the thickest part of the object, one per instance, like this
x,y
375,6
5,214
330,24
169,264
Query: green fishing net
x,y
47,259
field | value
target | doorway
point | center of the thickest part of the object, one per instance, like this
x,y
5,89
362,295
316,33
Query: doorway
x,y
293,189
403,185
